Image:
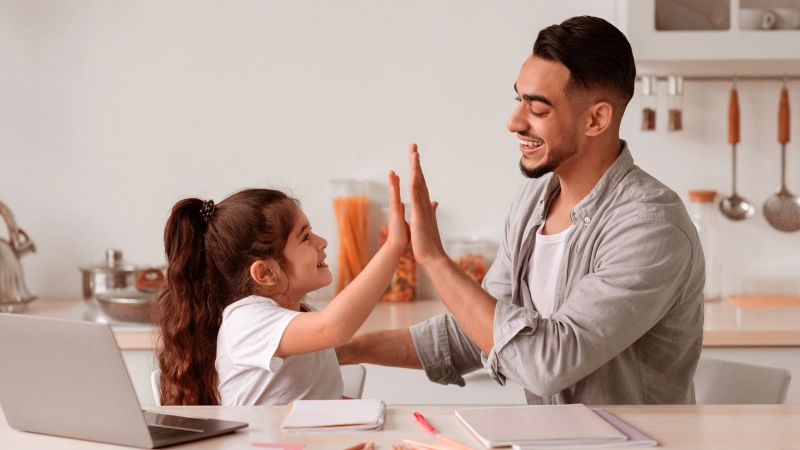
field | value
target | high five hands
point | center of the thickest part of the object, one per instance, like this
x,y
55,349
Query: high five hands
x,y
425,239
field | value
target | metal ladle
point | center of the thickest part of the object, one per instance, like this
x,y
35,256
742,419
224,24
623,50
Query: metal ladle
x,y
782,210
735,207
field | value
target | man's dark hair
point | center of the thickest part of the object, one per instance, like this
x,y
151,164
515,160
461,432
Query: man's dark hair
x,y
597,54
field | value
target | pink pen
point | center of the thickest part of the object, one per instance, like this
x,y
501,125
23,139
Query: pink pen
x,y
424,422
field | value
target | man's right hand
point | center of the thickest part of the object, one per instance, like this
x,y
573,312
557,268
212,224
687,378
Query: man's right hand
x,y
425,239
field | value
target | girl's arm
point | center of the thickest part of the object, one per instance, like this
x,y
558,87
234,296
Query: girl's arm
x,y
339,321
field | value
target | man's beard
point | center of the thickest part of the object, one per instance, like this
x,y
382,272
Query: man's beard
x,y
558,154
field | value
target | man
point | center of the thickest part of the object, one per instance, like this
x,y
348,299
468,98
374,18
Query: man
x,y
596,293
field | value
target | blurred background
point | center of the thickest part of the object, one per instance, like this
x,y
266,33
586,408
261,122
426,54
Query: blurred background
x,y
110,112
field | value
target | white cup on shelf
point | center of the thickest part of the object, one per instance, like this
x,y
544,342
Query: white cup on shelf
x,y
757,19
787,18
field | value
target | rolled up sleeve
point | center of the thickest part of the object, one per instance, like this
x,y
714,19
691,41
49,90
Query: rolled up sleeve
x,y
445,351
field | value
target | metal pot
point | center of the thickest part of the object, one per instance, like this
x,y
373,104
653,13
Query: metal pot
x,y
114,273
127,305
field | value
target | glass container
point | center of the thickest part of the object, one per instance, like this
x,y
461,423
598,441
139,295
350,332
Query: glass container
x,y
351,210
704,215
403,287
675,103
469,254
648,102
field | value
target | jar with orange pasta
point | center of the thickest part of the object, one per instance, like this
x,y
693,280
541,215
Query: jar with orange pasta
x,y
403,287
469,255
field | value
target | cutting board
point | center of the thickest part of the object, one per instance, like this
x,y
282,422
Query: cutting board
x,y
765,300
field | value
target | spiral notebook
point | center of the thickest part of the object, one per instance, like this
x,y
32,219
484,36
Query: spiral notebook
x,y
335,415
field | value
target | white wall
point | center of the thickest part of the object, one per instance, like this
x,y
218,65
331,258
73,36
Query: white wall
x,y
112,111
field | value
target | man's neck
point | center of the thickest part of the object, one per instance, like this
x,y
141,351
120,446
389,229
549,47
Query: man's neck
x,y
577,177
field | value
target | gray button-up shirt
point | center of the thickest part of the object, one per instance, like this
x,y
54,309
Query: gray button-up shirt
x,y
627,326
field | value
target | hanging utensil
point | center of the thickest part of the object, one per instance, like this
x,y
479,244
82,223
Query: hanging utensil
x,y
735,207
782,210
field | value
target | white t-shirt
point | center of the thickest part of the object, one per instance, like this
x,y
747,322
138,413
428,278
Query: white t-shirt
x,y
250,374
543,270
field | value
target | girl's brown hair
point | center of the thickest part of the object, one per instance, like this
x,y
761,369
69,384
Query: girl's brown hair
x,y
209,252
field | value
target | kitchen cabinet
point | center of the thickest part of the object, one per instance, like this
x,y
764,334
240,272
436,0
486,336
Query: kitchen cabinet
x,y
665,48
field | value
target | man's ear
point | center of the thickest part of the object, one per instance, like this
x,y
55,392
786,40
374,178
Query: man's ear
x,y
600,118
265,272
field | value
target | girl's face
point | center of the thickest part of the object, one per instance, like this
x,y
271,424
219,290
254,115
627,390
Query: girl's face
x,y
305,251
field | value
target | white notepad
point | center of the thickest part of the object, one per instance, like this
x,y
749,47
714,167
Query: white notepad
x,y
335,415
545,424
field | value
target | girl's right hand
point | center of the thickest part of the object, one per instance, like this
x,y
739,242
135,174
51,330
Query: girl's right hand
x,y
398,235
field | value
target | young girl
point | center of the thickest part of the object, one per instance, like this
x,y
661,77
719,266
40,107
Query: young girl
x,y
234,329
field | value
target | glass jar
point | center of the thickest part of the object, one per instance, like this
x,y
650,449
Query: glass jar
x,y
704,215
403,287
648,101
351,210
469,255
675,103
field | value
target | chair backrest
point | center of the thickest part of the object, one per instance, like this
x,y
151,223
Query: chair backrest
x,y
352,376
727,383
154,377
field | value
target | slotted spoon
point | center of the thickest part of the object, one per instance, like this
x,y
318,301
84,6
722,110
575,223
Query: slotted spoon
x,y
782,210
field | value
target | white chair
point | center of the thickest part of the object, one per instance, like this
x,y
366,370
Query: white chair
x,y
352,376
155,376
727,383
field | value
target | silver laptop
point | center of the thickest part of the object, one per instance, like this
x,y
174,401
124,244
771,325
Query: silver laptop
x,y
67,378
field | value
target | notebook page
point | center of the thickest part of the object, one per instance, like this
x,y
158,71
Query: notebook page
x,y
329,413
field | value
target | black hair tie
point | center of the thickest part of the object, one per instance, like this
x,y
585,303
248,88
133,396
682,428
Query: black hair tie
x,y
207,209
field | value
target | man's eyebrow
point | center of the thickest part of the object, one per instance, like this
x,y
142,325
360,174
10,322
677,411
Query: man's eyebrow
x,y
533,98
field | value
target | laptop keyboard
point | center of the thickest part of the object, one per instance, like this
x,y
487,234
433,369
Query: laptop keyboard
x,y
162,433
166,426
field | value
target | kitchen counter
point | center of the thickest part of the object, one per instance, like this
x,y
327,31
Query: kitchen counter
x,y
673,427
725,325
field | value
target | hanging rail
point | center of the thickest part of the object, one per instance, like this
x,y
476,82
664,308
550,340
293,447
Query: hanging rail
x,y
727,77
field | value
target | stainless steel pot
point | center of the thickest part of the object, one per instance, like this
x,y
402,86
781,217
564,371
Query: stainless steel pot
x,y
114,273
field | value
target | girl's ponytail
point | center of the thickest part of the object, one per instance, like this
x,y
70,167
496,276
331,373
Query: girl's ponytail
x,y
188,333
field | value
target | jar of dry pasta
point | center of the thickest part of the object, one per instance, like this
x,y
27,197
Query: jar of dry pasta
x,y
403,287
351,200
469,254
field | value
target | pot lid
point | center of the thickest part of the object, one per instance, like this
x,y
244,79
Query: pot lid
x,y
113,263
129,296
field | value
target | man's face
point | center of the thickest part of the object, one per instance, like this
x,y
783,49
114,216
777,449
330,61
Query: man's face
x,y
544,120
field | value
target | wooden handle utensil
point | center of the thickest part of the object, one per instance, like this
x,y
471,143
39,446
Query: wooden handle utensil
x,y
733,118
783,117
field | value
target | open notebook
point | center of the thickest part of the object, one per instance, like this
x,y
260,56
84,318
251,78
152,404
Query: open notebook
x,y
550,426
335,415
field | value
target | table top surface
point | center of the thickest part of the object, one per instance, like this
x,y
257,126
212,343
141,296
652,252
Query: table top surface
x,y
725,325
672,426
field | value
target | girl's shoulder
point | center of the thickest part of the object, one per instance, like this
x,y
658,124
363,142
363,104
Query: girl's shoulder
x,y
253,302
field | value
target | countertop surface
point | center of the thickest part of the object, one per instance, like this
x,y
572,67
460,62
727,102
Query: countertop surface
x,y
672,426
725,325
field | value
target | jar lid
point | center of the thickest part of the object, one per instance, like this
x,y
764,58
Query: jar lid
x,y
112,264
701,196
675,85
648,84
